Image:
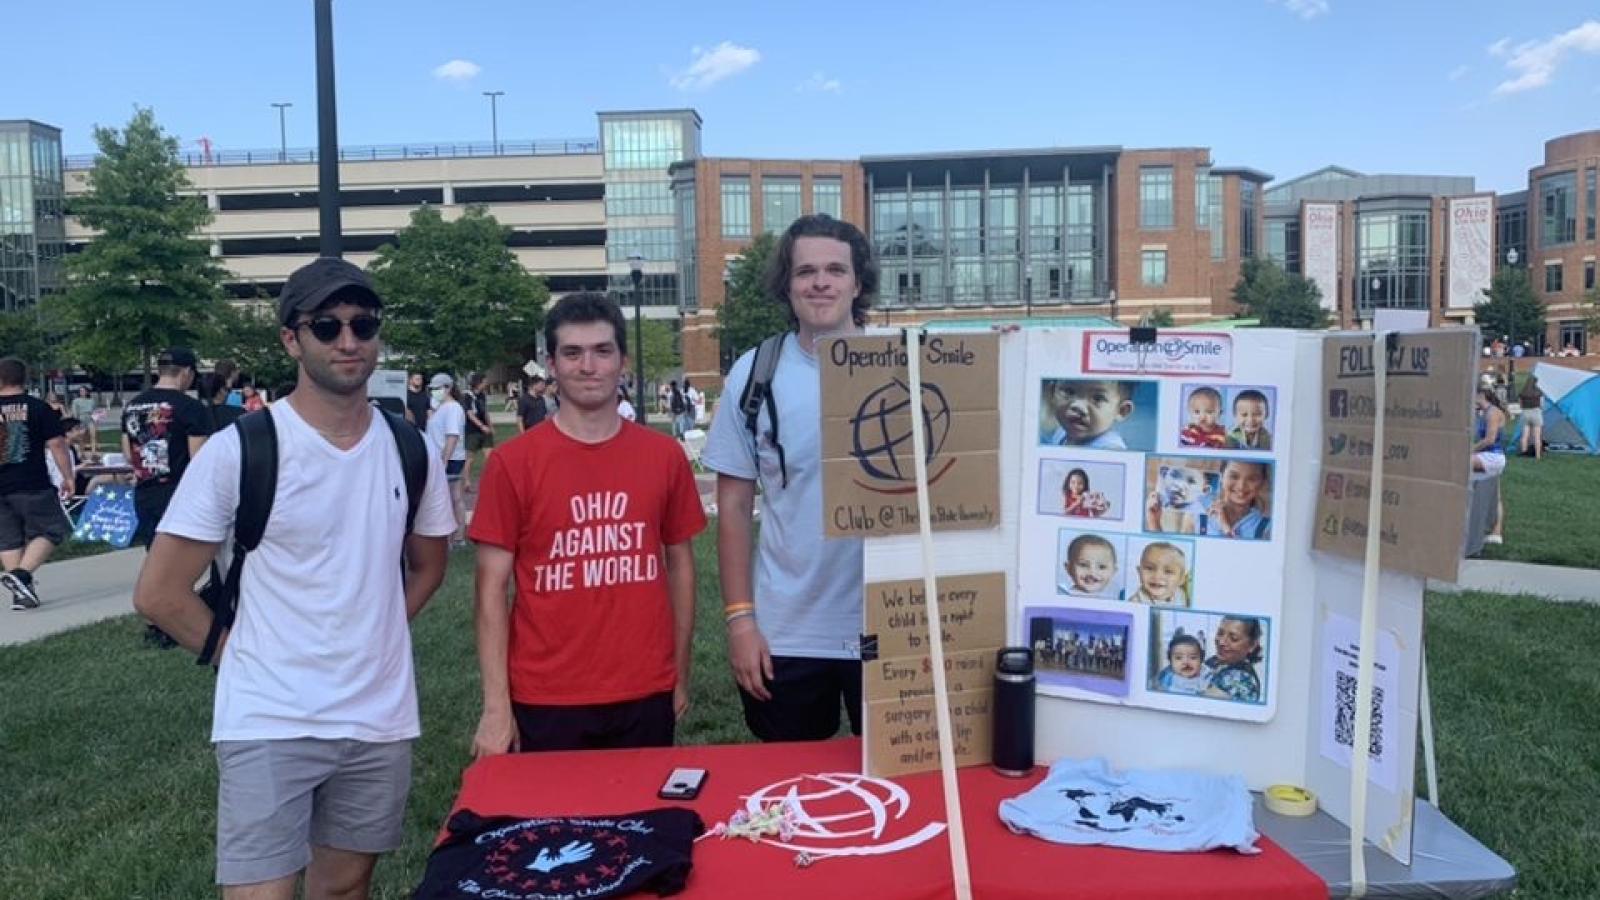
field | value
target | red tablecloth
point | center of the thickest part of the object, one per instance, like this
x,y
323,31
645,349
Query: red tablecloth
x,y
1004,865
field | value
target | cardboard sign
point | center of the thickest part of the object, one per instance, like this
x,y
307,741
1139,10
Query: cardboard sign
x,y
868,464
898,682
1427,456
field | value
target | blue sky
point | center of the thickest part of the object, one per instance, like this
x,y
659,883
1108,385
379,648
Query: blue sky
x,y
1458,88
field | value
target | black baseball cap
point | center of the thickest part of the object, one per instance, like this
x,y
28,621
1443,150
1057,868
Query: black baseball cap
x,y
182,357
317,282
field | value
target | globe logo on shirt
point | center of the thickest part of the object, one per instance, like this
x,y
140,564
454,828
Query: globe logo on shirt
x,y
844,814
882,441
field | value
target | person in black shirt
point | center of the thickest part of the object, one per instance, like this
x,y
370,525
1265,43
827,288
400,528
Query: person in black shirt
x,y
417,402
480,430
215,392
530,406
162,429
32,521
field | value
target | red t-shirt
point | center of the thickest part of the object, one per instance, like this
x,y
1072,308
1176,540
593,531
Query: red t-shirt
x,y
589,524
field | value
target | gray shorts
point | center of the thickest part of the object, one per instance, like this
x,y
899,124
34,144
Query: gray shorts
x,y
32,514
276,799
1533,416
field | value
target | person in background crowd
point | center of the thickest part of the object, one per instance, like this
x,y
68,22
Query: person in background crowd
x,y
83,408
227,371
417,402
53,400
1532,402
253,401
480,431
530,406
625,407
1488,453
32,522
214,393
447,428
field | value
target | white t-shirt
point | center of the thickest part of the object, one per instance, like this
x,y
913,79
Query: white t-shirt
x,y
321,647
626,411
447,419
807,586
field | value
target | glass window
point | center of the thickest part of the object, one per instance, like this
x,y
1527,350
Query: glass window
x,y
1575,334
889,224
642,143
1208,209
1559,208
1155,197
688,258
1552,278
658,244
735,206
1511,233
1588,274
1247,218
827,197
780,203
1283,244
927,223
1588,194
1154,269
1392,260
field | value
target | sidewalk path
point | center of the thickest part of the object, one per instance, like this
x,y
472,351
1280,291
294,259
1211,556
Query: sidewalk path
x,y
74,593
1556,583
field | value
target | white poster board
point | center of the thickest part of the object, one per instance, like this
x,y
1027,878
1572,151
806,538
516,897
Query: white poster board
x,y
1276,577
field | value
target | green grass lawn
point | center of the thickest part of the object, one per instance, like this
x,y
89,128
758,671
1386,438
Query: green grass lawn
x,y
1551,514
109,783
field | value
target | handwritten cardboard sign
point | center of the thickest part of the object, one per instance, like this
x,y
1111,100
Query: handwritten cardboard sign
x,y
897,685
1427,454
868,462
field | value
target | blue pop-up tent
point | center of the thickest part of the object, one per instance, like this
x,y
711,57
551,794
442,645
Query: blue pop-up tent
x,y
1571,408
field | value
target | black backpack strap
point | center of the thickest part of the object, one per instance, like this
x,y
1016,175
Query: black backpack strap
x,y
757,393
413,461
258,483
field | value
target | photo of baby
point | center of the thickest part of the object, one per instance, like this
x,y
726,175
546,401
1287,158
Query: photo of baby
x,y
1090,490
1217,655
1207,496
1224,417
1163,571
1099,414
1089,565
1080,648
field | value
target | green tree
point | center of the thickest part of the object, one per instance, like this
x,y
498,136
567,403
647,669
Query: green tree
x,y
660,350
1277,299
1510,307
749,315
1160,317
455,296
29,335
247,333
145,282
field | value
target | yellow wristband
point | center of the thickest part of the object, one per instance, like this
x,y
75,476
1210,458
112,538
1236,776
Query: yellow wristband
x,y
738,607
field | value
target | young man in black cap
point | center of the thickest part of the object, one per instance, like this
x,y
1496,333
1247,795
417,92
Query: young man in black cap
x,y
32,522
162,429
316,703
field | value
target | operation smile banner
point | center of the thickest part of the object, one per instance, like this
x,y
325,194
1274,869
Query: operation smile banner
x,y
868,464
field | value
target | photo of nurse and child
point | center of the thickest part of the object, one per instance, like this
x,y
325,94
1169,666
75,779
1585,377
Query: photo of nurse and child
x,y
1232,667
1091,565
1226,418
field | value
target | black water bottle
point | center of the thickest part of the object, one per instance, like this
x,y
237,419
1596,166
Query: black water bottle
x,y
1013,711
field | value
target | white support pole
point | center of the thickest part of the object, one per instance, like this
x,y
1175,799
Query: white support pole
x,y
1369,623
1429,764
941,694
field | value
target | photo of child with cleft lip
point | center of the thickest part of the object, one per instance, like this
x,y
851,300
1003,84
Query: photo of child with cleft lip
x,y
1097,413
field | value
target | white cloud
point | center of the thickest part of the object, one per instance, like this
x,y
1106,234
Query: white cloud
x,y
1307,9
1535,62
707,67
819,82
1498,48
1459,72
457,70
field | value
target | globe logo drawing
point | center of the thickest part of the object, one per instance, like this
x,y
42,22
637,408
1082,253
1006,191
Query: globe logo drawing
x,y
882,441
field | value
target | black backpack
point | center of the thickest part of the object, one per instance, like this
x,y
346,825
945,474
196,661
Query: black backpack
x,y
758,393
258,482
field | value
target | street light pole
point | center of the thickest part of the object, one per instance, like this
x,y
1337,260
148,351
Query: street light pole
x,y
494,118
332,236
636,270
283,133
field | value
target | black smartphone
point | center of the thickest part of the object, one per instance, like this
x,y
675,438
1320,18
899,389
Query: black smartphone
x,y
682,784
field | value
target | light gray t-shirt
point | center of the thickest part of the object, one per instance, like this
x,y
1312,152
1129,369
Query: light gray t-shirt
x,y
807,587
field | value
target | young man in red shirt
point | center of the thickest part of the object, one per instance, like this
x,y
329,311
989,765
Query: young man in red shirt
x,y
594,516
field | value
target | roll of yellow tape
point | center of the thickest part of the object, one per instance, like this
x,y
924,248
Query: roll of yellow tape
x,y
1288,800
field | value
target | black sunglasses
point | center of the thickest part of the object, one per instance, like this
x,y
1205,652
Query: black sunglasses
x,y
326,328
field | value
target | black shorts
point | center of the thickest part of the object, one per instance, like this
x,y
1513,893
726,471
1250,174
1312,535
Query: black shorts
x,y
26,515
646,722
149,505
806,695
478,440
